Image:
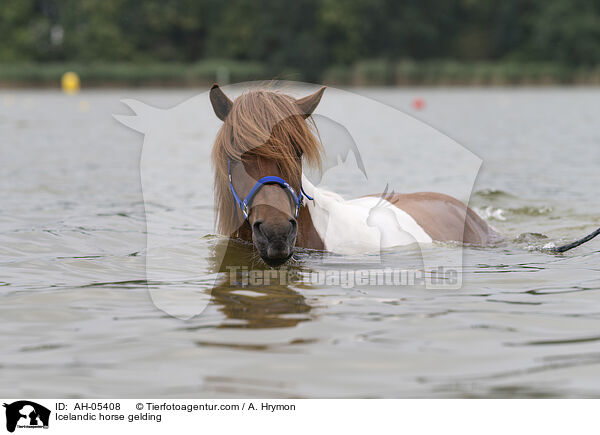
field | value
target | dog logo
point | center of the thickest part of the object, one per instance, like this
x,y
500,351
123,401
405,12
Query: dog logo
x,y
26,414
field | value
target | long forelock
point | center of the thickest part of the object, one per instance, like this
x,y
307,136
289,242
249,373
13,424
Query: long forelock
x,y
269,125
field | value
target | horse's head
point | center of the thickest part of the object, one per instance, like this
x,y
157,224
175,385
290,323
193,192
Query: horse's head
x,y
264,134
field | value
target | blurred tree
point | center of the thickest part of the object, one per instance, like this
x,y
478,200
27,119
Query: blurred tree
x,y
302,35
281,34
566,32
95,30
24,31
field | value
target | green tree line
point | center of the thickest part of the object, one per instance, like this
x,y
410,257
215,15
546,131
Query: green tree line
x,y
309,37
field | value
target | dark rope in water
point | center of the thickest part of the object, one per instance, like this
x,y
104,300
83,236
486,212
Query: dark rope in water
x,y
576,243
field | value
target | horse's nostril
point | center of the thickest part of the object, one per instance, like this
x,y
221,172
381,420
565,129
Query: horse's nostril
x,y
293,224
257,227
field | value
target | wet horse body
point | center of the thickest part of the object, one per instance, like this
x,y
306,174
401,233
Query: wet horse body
x,y
265,134
375,222
445,218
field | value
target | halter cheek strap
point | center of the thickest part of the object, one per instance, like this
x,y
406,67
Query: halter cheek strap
x,y
244,204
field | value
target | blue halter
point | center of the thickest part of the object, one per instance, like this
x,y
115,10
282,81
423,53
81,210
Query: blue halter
x,y
244,204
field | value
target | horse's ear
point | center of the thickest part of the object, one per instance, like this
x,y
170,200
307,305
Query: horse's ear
x,y
309,103
220,102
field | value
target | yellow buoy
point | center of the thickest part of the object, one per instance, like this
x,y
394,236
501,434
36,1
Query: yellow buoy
x,y
70,83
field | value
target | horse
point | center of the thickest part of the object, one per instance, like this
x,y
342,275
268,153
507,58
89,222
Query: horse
x,y
262,196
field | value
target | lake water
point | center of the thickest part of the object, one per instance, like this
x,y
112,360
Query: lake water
x,y
77,313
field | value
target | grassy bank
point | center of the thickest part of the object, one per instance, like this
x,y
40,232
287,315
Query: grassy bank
x,y
449,73
131,74
365,73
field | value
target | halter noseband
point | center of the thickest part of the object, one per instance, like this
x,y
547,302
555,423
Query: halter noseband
x,y
244,204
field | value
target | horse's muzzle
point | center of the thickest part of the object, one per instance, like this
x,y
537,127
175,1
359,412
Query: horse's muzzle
x,y
275,242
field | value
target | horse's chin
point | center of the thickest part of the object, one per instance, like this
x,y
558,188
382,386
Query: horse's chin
x,y
274,262
278,259
274,252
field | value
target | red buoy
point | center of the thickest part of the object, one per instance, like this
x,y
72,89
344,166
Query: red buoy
x,y
418,104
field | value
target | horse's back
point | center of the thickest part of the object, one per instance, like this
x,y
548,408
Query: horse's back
x,y
445,218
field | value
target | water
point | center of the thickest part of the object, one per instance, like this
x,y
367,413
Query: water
x,y
77,317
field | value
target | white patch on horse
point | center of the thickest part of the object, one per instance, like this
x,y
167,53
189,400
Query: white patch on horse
x,y
352,227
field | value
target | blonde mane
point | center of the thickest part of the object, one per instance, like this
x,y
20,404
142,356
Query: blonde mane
x,y
267,124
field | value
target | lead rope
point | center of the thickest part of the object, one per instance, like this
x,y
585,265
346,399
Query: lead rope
x,y
576,243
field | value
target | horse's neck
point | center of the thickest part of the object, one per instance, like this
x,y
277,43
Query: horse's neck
x,y
308,237
244,232
314,215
